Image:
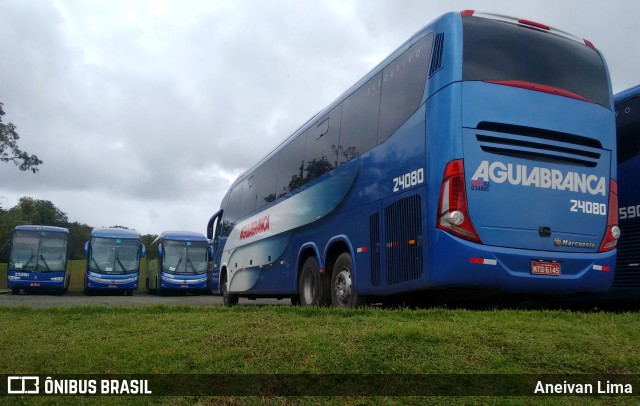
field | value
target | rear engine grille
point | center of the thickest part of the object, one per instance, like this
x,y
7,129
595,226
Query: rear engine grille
x,y
403,240
374,243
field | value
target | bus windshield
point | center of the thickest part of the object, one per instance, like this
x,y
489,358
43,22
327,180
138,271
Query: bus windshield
x,y
113,255
38,251
500,51
185,257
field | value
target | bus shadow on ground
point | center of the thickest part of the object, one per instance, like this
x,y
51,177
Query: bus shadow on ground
x,y
616,302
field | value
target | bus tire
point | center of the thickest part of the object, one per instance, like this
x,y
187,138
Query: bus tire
x,y
228,299
343,293
158,291
15,291
312,285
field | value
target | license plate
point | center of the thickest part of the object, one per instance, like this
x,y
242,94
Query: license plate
x,y
34,284
545,268
112,286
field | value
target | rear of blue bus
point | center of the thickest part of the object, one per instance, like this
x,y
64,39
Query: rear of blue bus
x,y
627,279
527,198
38,259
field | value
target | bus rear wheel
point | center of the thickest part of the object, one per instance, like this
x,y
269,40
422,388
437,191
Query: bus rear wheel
x,y
312,287
343,293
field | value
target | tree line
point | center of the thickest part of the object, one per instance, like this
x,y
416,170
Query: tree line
x,y
44,213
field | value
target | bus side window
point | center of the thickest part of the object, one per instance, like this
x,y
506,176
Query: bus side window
x,y
249,196
267,176
403,83
359,129
233,208
322,145
291,166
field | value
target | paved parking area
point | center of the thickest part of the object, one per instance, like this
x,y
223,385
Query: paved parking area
x,y
72,299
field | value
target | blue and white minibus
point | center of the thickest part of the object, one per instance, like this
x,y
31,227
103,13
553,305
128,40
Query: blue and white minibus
x,y
481,154
182,263
113,260
38,259
627,276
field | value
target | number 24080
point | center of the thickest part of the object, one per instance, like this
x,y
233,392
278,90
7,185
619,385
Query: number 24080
x,y
408,180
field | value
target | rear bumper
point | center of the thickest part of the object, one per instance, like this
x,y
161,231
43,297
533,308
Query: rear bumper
x,y
459,263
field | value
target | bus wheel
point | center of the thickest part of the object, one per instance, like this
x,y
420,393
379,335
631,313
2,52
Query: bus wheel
x,y
312,288
343,293
227,298
15,291
159,291
128,292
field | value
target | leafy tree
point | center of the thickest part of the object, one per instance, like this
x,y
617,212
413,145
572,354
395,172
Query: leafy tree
x,y
147,239
78,235
29,211
39,212
9,151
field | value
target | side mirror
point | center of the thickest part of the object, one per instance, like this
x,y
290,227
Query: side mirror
x,y
143,251
210,253
86,249
160,250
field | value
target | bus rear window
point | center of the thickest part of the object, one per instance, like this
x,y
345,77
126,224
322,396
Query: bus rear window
x,y
628,123
496,50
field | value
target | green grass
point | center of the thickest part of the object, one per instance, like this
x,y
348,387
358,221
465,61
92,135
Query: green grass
x,y
284,340
163,339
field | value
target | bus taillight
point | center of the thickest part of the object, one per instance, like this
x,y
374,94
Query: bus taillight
x,y
453,211
612,233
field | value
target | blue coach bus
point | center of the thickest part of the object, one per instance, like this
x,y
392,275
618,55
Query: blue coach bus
x,y
480,154
627,276
182,263
113,260
38,259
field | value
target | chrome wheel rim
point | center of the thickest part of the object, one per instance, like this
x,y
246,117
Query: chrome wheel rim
x,y
342,286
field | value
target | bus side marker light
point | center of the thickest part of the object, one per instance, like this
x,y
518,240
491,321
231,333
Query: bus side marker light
x,y
360,250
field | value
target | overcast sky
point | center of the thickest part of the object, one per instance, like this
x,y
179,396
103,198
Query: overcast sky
x,y
144,112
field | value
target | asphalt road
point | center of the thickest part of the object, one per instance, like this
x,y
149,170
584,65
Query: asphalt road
x,y
72,299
